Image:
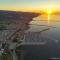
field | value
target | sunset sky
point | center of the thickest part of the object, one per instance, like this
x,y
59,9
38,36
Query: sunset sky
x,y
29,5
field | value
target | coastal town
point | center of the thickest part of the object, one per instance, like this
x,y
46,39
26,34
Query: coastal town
x,y
12,27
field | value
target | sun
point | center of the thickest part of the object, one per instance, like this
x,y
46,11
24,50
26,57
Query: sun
x,y
49,11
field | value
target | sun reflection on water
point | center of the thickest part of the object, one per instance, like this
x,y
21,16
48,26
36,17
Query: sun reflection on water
x,y
49,19
49,12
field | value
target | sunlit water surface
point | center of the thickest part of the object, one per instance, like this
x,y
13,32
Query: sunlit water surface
x,y
42,22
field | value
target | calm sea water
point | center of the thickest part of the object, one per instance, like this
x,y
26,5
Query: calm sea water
x,y
41,22
53,34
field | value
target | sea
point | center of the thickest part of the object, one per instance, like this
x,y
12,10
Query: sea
x,y
49,26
